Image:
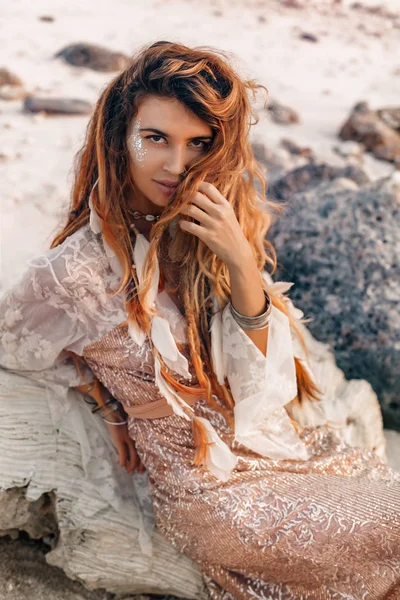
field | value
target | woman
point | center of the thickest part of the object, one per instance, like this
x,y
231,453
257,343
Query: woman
x,y
154,294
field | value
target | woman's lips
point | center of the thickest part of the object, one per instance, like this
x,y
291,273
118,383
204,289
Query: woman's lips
x,y
169,190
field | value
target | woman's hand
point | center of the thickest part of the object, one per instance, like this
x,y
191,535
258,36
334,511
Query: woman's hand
x,y
218,226
128,456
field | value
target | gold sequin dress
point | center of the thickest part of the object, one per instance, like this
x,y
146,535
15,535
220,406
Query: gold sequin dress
x,y
325,528
276,515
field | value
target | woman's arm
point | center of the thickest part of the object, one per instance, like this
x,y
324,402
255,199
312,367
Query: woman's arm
x,y
220,230
247,295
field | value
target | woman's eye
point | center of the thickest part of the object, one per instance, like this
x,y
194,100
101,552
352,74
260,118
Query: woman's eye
x,y
204,145
199,144
151,137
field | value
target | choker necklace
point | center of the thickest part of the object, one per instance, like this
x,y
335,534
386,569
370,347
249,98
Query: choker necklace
x,y
138,215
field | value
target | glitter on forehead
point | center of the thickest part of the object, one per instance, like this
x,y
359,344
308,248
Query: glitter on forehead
x,y
137,143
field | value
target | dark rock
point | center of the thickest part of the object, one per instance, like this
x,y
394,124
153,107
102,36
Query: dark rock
x,y
297,150
378,9
65,106
8,78
93,57
284,115
47,19
366,126
309,37
340,245
277,162
390,116
293,4
308,177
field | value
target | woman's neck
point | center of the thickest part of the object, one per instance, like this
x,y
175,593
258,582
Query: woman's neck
x,y
144,227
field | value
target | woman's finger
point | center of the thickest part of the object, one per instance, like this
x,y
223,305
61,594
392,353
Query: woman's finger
x,y
200,215
123,453
133,456
205,203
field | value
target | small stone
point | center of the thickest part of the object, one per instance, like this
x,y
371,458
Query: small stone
x,y
293,4
66,106
8,78
47,18
309,37
390,116
284,115
365,125
12,93
93,57
297,150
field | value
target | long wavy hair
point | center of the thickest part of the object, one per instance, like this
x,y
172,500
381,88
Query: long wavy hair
x,y
203,80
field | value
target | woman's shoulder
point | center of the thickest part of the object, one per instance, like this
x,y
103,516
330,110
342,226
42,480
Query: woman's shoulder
x,y
83,242
79,261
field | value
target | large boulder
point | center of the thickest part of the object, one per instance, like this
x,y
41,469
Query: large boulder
x,y
340,244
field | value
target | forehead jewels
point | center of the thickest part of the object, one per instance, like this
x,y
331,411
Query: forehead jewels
x,y
137,143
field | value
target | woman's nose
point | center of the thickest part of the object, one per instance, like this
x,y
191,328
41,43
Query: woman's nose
x,y
176,161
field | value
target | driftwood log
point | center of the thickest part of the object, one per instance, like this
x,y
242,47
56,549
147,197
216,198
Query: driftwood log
x,y
53,486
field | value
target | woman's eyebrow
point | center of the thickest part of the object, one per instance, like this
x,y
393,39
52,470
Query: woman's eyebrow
x,y
159,132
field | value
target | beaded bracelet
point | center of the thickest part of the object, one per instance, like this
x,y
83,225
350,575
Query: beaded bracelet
x,y
254,323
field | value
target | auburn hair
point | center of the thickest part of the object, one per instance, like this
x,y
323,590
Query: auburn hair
x,y
205,82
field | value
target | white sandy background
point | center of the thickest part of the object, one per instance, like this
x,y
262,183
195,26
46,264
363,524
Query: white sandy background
x,y
322,81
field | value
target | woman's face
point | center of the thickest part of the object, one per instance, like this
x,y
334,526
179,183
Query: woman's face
x,y
164,138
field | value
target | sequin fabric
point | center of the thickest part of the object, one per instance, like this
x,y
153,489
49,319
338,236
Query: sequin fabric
x,y
325,528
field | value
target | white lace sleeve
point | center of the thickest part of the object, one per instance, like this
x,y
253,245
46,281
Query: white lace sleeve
x,y
38,322
59,304
261,386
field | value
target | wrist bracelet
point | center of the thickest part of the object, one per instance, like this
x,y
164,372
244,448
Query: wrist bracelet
x,y
114,423
254,323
